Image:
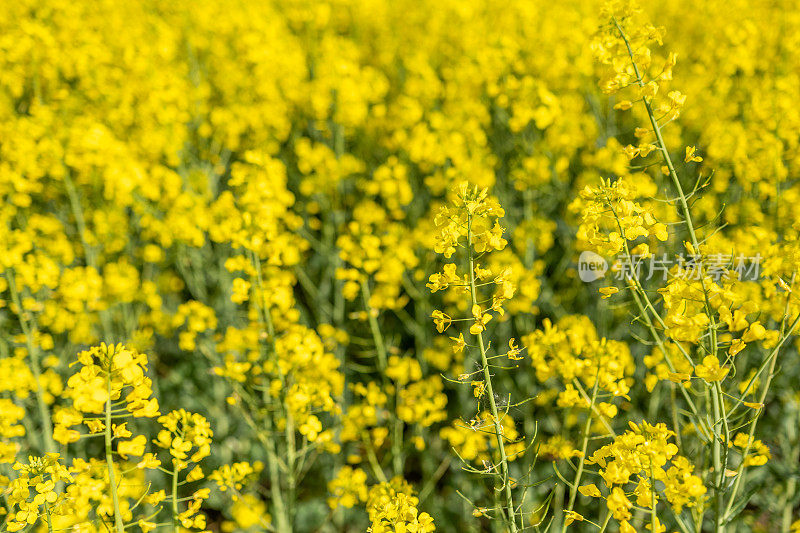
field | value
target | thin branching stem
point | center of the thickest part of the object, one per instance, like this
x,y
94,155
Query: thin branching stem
x,y
509,511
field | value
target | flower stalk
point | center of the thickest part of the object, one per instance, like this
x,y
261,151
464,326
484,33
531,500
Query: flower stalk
x,y
112,482
509,512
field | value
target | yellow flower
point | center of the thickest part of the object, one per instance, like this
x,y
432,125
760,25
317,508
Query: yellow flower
x,y
240,291
441,320
572,516
458,343
678,377
134,446
514,351
607,292
348,488
676,100
154,498
755,332
481,319
195,475
737,345
710,370
146,526
590,490
120,431
249,511
618,504
690,155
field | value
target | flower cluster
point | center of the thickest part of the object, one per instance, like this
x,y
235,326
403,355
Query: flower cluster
x,y
644,456
571,353
392,507
187,437
112,380
612,218
647,75
33,494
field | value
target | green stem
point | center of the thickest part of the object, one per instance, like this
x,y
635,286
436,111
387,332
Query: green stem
x,y
175,499
91,260
283,508
573,491
605,522
646,305
653,517
712,329
510,513
281,516
788,497
33,353
112,482
752,429
372,458
719,406
717,462
662,146
380,347
48,517
377,338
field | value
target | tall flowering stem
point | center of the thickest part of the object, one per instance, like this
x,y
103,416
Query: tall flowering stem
x,y
573,491
108,437
473,224
487,376
703,304
616,41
